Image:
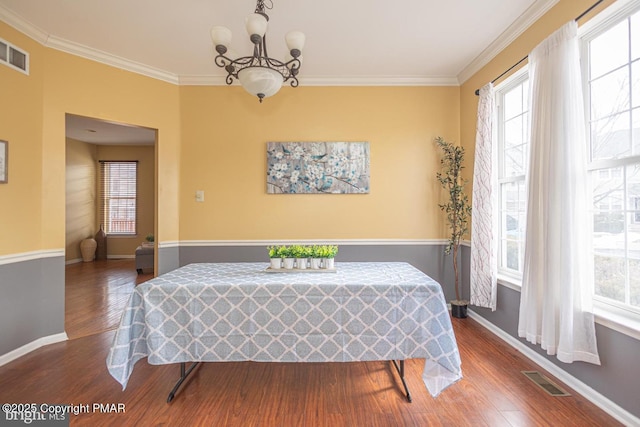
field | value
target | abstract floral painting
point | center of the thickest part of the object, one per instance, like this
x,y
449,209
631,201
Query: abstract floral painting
x,y
318,167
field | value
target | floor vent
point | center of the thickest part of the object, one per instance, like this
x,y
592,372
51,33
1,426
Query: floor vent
x,y
545,383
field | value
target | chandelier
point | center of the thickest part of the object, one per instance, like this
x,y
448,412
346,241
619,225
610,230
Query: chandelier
x,y
259,74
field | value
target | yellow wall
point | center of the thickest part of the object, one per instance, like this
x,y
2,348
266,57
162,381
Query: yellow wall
x,y
118,246
214,139
80,195
223,149
79,86
21,125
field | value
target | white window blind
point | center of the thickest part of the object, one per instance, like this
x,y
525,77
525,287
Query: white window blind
x,y
118,182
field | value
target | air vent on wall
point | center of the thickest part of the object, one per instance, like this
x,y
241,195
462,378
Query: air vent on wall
x,y
14,57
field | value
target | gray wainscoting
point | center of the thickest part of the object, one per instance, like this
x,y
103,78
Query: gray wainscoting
x,y
168,259
32,302
617,378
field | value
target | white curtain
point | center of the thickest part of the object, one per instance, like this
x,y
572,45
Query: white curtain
x,y
483,263
557,289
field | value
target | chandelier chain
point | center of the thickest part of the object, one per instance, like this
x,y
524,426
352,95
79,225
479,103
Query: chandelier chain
x,y
261,6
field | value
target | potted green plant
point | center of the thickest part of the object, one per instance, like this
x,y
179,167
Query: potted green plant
x,y
149,240
457,209
299,252
288,257
275,257
316,257
329,254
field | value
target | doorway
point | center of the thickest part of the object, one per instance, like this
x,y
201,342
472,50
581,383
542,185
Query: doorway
x,y
97,289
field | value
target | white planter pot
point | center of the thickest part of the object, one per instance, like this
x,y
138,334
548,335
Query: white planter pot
x,y
301,263
315,263
328,263
288,263
276,263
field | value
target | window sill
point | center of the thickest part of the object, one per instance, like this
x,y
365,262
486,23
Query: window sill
x,y
122,236
510,282
622,321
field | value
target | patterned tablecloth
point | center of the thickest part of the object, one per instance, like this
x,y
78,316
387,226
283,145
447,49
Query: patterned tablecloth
x,y
238,311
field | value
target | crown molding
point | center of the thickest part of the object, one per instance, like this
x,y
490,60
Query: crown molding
x,y
203,80
519,26
379,81
25,27
109,59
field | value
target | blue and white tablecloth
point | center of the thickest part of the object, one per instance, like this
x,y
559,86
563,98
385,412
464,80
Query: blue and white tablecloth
x,y
238,311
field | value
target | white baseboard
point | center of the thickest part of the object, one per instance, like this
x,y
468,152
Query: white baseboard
x,y
610,407
73,261
33,345
120,256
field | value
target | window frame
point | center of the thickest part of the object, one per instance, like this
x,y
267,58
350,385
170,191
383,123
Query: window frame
x,y
607,313
610,311
103,211
507,277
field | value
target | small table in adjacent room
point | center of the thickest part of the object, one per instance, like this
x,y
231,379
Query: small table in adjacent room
x,y
239,312
144,258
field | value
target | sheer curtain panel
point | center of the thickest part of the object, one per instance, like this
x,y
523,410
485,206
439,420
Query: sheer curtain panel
x,y
557,286
483,264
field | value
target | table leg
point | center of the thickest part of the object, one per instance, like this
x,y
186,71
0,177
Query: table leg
x,y
400,370
183,376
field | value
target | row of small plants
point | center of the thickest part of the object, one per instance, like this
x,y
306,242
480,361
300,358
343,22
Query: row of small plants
x,y
302,256
302,251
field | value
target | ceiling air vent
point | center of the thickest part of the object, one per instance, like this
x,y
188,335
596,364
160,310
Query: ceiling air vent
x,y
14,57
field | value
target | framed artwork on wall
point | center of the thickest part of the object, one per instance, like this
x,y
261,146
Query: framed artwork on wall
x,y
317,167
4,155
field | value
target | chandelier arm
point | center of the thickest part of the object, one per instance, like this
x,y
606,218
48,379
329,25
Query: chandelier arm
x,y
293,63
274,63
263,47
294,81
221,61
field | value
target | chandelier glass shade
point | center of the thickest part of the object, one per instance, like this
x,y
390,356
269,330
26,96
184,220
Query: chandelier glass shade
x,y
259,74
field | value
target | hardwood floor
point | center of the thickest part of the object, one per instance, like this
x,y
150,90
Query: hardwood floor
x,y
492,393
96,293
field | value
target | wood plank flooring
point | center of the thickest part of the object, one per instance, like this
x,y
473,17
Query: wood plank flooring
x,y
492,393
96,293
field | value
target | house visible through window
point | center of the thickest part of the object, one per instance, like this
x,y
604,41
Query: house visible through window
x,y
118,182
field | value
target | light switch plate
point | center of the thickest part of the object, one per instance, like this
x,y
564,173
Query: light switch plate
x,y
199,196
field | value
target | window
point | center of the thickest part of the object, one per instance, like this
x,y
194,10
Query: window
x,y
611,74
118,197
513,133
612,88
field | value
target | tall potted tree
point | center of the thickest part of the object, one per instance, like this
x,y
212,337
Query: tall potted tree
x,y
458,211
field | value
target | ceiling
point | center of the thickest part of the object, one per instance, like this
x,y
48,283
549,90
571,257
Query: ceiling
x,y
352,42
101,132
